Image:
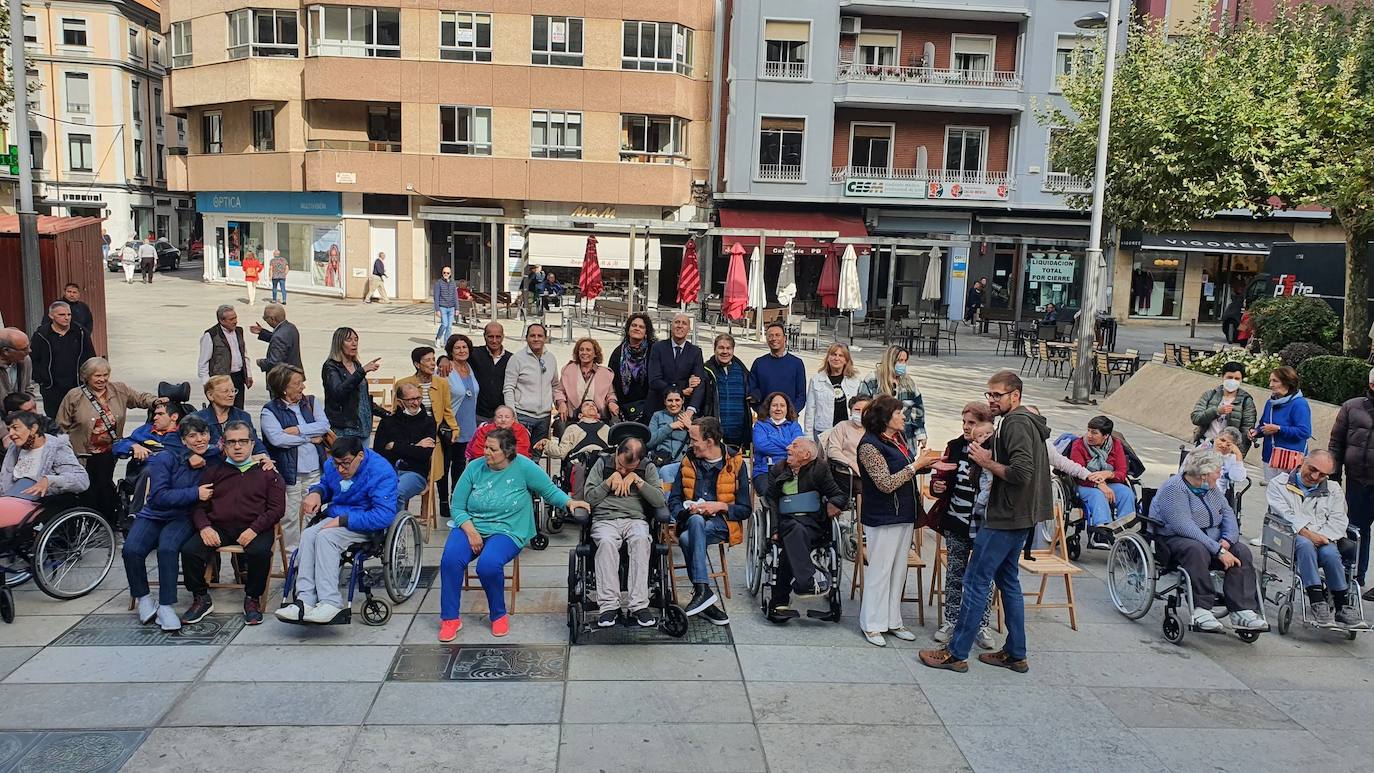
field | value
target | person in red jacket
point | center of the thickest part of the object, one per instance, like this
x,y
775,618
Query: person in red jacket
x,y
504,418
245,504
1098,451
252,269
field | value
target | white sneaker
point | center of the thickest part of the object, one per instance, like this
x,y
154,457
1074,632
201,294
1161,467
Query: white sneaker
x,y
1248,620
875,638
985,639
1204,620
292,613
147,609
322,614
167,618
944,633
903,633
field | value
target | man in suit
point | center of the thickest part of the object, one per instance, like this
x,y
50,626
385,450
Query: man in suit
x,y
674,364
283,338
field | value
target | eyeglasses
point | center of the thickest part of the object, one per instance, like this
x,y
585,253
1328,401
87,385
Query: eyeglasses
x,y
995,395
342,465
237,441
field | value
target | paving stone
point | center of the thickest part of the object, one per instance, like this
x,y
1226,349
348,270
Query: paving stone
x,y
1054,749
36,602
474,703
796,748
852,665
646,661
80,706
492,663
1178,668
524,629
36,630
14,657
1141,707
525,748
114,664
1241,751
224,704
752,627
1046,636
1324,709
274,631
1299,673
82,751
819,703
232,749
654,748
668,702
254,663
1017,705
121,631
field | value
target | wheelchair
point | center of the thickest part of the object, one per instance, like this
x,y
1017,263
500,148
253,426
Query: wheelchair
x,y
1140,571
1066,495
63,545
582,606
846,539
399,549
1282,586
1234,493
825,552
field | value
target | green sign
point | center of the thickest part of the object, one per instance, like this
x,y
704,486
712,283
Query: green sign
x,y
11,159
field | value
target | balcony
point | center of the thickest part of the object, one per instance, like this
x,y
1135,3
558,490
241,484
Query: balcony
x,y
785,173
1001,10
791,71
362,145
930,76
1063,182
943,184
893,87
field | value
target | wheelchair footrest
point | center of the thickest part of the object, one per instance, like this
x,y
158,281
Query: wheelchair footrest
x,y
821,614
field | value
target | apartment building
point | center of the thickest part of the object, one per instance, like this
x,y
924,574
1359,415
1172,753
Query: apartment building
x,y
97,130
480,136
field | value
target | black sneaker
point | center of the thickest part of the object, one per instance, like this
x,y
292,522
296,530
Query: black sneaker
x,y
645,618
715,615
1368,595
252,610
819,586
702,597
201,605
780,614
607,619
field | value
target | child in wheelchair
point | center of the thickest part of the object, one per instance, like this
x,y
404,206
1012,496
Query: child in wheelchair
x,y
960,488
805,497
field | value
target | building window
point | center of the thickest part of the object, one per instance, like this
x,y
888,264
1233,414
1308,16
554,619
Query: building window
x,y
156,57
181,44
37,148
557,41
161,162
966,150
870,146
465,130
656,46
653,139
972,55
264,129
877,48
1070,53
157,107
555,134
135,92
263,33
780,148
79,152
784,49
30,29
78,92
465,37
134,54
347,31
384,127
211,131
74,32
138,158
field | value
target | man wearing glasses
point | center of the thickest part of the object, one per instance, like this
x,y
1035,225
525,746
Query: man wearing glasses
x,y
530,379
1020,498
406,440
357,494
246,503
16,369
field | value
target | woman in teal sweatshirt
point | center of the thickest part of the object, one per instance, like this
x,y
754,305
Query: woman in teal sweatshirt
x,y
493,519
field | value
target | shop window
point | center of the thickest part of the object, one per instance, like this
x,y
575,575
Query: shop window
x,y
557,41
1053,275
1157,284
465,37
785,45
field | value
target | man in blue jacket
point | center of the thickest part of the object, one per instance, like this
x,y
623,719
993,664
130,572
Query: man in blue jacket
x,y
674,364
777,371
359,487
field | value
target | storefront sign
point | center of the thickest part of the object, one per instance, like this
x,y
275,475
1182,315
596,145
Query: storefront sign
x,y
597,213
968,191
863,187
1199,241
271,203
1052,267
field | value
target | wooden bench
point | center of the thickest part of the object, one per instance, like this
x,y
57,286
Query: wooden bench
x,y
614,311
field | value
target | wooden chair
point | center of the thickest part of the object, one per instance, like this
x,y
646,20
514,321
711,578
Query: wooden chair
x,y
1053,561
383,390
721,576
240,572
913,561
470,581
936,595
429,510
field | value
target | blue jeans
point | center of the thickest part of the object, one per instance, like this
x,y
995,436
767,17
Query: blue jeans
x,y
445,323
166,537
279,286
695,533
1096,507
1308,557
996,555
497,551
408,486
1359,503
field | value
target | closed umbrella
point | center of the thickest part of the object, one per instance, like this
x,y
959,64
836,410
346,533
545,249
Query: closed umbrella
x,y
787,275
757,298
736,286
589,281
934,273
829,286
849,297
689,281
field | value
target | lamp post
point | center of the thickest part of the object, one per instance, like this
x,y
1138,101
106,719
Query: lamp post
x,y
1087,315
34,310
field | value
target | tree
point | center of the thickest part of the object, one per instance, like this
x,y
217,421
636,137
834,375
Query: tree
x,y
1254,116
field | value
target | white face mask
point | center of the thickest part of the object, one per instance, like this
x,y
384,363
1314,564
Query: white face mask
x,y
1230,384
857,417
409,412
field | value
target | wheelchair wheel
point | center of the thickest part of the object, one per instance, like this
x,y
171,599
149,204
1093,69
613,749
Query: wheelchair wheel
x,y
403,549
1285,621
1249,637
675,621
1174,627
849,546
555,521
7,605
1131,576
1075,547
539,542
16,577
376,612
73,554
1349,635
574,623
575,590
755,542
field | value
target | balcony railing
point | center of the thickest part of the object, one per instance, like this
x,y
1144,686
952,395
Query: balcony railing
x,y
364,145
1063,182
780,172
787,70
930,76
840,174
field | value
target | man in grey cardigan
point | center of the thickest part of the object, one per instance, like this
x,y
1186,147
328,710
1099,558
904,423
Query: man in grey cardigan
x,y
528,388
618,491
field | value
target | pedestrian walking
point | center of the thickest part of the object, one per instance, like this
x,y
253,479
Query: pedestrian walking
x,y
147,258
59,350
376,283
222,353
128,259
252,269
1352,445
445,304
277,270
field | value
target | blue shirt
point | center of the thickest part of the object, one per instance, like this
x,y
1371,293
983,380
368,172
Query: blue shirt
x,y
784,374
463,394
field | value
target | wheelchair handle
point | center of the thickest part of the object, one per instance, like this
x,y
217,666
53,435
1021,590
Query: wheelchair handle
x,y
581,516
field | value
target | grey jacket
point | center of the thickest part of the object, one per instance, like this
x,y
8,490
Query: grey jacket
x,y
1242,416
283,346
1023,498
529,388
59,465
24,382
606,506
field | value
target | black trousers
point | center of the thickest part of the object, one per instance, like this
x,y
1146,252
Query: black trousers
x,y
101,493
257,559
1238,590
798,534
455,462
240,379
53,396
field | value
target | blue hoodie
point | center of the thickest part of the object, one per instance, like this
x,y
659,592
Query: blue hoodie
x,y
173,487
125,446
369,502
1294,417
771,442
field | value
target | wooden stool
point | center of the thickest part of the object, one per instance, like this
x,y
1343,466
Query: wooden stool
x,y
470,581
936,597
212,569
429,511
668,534
1050,562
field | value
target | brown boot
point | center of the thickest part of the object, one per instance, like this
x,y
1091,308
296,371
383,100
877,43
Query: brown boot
x,y
1001,659
942,659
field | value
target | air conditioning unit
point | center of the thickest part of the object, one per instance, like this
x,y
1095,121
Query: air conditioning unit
x,y
850,25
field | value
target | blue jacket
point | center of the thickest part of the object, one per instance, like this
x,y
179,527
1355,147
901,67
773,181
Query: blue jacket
x,y
666,371
1295,425
217,430
784,374
144,434
173,487
369,504
283,451
771,441
672,443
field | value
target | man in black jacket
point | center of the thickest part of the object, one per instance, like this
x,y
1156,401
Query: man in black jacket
x,y
406,440
488,364
58,349
802,478
81,313
674,364
1352,444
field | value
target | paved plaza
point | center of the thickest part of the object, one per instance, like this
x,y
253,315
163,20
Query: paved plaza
x,y
84,688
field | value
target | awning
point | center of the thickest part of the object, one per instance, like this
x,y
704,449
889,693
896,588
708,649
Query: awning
x,y
845,225
1204,241
567,248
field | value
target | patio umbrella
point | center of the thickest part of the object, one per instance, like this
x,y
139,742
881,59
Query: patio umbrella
x,y
849,297
589,281
934,273
787,275
689,281
757,298
736,294
829,287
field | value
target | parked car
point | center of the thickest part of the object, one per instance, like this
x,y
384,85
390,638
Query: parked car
x,y
168,256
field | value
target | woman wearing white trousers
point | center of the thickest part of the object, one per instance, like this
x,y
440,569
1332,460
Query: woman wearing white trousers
x,y
128,260
889,509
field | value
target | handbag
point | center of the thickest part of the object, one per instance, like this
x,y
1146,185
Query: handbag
x,y
1286,459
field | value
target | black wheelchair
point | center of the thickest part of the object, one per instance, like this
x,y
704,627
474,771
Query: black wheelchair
x,y
399,548
63,545
1282,586
825,551
1066,494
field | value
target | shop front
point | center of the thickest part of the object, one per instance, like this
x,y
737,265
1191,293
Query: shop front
x,y
1188,276
306,227
808,254
905,270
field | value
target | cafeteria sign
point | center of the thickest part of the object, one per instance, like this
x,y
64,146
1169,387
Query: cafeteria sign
x,y
1055,268
968,191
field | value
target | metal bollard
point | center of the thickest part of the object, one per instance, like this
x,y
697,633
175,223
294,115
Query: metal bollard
x,y
1192,328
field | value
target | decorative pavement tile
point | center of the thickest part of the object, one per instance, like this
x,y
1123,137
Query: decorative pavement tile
x,y
452,662
13,746
123,631
78,752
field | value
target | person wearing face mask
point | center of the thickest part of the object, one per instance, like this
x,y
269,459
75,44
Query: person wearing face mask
x,y
841,442
892,377
1225,406
772,436
36,464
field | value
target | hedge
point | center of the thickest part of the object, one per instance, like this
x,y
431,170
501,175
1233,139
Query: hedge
x,y
1334,379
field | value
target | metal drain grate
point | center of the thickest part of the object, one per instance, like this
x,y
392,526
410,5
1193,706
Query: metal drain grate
x,y
493,663
124,631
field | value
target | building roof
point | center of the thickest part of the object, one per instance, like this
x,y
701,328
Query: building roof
x,y
48,225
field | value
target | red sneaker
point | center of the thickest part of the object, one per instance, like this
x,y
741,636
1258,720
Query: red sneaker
x,y
500,626
448,629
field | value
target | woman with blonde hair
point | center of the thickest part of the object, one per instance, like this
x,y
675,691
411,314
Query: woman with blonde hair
x,y
829,391
585,378
892,378
93,416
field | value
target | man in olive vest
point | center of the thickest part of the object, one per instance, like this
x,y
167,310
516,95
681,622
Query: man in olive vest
x,y
222,353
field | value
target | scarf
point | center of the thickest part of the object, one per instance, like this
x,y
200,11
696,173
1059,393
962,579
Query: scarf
x,y
1288,398
107,419
244,466
1098,457
634,362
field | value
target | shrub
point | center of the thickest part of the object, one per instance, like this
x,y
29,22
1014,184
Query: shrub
x,y
1257,366
1299,352
1334,379
1279,322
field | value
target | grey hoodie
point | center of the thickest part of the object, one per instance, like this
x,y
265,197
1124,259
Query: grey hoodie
x,y
59,465
1023,498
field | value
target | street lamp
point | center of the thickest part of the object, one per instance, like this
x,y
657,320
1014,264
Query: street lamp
x,y
1087,315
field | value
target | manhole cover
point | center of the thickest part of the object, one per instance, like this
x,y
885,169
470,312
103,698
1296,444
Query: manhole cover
x,y
124,631
496,663
84,752
698,632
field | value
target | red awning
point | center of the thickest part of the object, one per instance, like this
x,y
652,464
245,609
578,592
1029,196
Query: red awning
x,y
845,225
